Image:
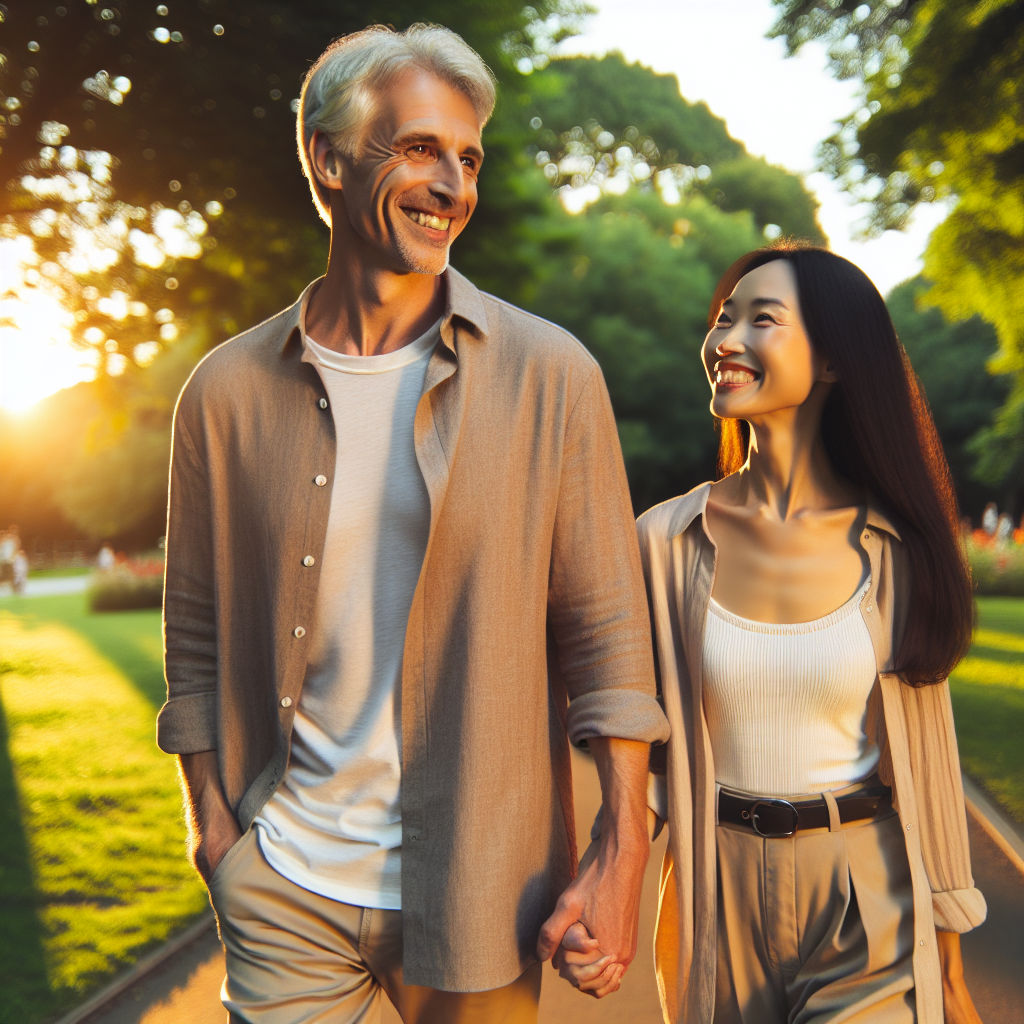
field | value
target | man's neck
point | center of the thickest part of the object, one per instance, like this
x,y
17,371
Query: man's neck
x,y
364,310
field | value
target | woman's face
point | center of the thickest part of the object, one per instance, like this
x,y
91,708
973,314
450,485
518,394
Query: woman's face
x,y
758,356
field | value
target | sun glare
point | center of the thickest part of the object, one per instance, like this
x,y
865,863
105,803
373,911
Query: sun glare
x,y
36,355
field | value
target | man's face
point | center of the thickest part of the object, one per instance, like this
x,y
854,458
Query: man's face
x,y
413,185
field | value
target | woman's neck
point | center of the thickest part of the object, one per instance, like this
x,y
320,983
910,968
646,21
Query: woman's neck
x,y
788,471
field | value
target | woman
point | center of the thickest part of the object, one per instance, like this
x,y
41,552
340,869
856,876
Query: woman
x,y
807,609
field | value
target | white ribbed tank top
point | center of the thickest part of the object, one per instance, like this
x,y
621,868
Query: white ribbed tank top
x,y
786,703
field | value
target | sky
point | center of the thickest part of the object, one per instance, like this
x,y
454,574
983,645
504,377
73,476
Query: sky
x,y
779,108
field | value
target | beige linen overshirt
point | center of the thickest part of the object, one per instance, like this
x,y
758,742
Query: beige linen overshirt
x,y
913,728
529,621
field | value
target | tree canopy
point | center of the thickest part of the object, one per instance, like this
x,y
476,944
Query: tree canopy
x,y
942,120
608,95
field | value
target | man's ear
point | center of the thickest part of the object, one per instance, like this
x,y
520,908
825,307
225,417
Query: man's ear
x,y
325,161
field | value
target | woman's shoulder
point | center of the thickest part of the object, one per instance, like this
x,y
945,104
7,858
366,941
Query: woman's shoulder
x,y
672,517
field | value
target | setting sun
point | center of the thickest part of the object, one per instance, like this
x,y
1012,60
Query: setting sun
x,y
36,354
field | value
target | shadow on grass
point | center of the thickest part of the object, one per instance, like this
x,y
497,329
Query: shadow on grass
x,y
23,978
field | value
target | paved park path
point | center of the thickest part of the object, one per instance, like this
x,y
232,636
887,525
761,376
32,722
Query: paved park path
x,y
185,990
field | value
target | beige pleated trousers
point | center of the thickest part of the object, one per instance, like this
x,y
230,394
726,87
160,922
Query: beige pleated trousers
x,y
294,957
817,928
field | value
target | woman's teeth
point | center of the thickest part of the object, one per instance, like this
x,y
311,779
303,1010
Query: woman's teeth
x,y
735,375
428,220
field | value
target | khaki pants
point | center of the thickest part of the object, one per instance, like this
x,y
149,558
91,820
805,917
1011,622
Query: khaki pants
x,y
816,928
294,957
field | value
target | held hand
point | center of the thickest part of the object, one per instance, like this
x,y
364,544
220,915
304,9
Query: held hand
x,y
584,966
957,1004
596,918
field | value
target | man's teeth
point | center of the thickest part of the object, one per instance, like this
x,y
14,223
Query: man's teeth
x,y
428,220
735,376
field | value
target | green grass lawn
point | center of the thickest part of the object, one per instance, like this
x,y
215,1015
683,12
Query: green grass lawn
x,y
988,702
92,864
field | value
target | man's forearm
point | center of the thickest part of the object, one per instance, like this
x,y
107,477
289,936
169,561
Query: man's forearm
x,y
622,770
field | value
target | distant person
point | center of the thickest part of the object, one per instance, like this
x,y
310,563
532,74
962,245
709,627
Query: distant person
x,y
402,574
20,571
990,519
106,559
808,607
10,541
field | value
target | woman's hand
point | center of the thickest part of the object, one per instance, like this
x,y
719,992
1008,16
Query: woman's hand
x,y
956,1000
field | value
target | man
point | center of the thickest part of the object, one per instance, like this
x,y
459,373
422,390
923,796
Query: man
x,y
401,569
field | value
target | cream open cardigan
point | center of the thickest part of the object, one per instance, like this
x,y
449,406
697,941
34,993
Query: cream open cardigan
x,y
913,728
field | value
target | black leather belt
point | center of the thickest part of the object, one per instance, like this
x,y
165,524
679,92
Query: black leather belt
x,y
778,819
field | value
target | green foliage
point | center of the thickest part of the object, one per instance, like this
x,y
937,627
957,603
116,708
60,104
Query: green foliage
x,y
943,118
635,288
951,359
618,95
639,107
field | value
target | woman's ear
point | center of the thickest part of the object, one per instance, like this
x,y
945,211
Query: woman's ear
x,y
325,161
828,375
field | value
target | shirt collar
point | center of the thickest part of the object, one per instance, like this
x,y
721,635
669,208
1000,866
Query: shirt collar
x,y
462,300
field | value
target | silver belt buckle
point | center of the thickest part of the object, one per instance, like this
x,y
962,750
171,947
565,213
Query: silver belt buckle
x,y
774,803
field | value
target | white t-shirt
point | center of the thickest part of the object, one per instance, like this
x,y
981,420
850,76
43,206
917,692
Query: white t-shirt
x,y
334,826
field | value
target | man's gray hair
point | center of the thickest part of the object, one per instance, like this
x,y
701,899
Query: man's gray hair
x,y
338,95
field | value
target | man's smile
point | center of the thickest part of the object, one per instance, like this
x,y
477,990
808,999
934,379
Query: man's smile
x,y
427,220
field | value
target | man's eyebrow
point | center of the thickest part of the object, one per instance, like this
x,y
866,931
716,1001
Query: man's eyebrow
x,y
416,135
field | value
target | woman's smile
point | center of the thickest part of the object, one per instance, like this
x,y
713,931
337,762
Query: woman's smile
x,y
729,376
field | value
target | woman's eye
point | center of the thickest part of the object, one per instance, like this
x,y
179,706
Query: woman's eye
x,y
763,318
723,321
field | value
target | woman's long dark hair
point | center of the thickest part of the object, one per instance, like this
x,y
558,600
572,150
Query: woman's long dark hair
x,y
879,434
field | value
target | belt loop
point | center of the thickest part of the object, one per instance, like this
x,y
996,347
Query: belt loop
x,y
834,822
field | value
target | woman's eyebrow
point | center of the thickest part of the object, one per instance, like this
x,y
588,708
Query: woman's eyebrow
x,y
768,302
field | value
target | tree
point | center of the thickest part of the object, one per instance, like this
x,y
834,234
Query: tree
x,y
942,120
950,360
604,103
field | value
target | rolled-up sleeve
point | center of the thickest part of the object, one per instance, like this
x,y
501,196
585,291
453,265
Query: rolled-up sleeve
x,y
597,605
935,763
187,722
